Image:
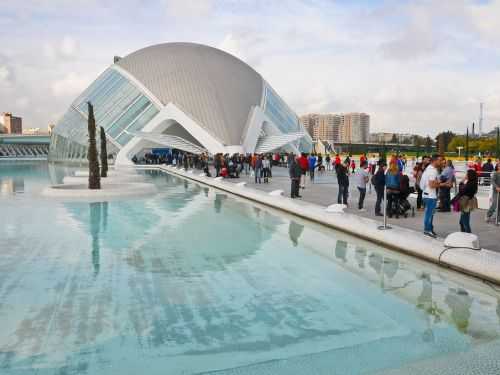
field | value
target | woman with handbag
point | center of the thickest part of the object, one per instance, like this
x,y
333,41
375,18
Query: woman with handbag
x,y
466,198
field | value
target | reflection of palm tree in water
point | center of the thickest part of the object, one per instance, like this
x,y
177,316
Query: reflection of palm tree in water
x,y
341,250
98,212
294,232
498,309
460,303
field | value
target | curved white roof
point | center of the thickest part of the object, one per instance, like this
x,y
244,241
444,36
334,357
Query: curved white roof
x,y
215,88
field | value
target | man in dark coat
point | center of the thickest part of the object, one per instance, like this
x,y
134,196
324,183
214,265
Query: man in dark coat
x,y
343,181
295,172
378,182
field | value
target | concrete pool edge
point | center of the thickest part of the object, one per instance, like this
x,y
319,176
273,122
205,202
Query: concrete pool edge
x,y
482,264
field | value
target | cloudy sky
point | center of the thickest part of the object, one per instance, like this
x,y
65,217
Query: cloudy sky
x,y
416,66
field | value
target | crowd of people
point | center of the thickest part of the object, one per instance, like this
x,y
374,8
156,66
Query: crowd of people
x,y
434,179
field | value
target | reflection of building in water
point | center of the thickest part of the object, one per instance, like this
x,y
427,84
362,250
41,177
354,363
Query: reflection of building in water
x,y
11,185
460,303
360,256
341,250
294,232
219,198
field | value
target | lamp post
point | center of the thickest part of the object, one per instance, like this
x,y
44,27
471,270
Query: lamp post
x,y
467,145
498,142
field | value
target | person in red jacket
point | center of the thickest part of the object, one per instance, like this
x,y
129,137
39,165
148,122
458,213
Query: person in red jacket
x,y
337,162
362,159
304,165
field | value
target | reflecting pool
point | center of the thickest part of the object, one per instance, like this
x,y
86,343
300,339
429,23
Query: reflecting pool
x,y
195,281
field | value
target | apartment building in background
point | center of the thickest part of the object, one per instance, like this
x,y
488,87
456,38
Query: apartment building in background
x,y
12,124
356,128
349,127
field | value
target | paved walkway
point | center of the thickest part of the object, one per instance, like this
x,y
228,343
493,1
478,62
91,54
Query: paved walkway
x,y
324,192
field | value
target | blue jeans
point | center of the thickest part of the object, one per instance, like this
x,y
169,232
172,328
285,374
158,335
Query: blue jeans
x,y
258,174
465,222
430,205
343,194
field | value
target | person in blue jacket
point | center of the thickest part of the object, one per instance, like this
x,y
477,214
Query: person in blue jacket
x,y
312,165
393,183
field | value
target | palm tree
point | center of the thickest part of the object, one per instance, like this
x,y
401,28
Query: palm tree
x,y
104,154
94,178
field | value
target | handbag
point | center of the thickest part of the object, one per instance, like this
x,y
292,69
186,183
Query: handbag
x,y
467,204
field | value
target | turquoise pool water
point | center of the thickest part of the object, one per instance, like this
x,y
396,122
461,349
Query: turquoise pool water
x,y
194,281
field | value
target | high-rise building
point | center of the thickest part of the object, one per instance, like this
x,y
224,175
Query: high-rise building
x,y
12,124
355,127
323,127
327,128
333,128
308,122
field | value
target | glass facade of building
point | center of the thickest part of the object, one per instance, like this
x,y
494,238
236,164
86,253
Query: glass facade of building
x,y
119,107
284,118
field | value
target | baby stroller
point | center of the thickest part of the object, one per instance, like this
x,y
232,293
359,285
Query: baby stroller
x,y
403,204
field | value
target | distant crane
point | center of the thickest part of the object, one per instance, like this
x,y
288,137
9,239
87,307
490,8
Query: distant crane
x,y
481,119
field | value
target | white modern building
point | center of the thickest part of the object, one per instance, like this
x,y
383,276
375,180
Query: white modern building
x,y
182,96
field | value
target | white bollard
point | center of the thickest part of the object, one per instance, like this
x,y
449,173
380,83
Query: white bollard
x,y
276,193
460,240
336,208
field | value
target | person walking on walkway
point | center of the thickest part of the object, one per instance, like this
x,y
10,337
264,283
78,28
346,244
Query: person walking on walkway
x,y
304,164
361,178
447,177
328,162
311,160
393,184
495,187
343,181
417,175
378,182
467,200
429,184
295,173
266,168
337,162
258,169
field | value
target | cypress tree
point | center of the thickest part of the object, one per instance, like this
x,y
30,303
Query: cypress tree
x,y
104,154
94,178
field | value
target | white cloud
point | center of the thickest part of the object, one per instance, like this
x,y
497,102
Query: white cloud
x,y
189,8
420,66
22,102
66,48
5,74
72,84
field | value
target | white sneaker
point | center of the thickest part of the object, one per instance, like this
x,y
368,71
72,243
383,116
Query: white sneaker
x,y
362,210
